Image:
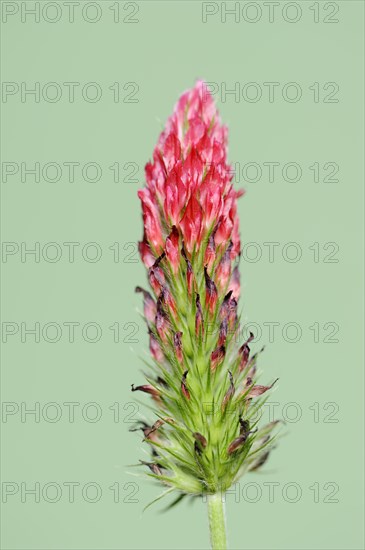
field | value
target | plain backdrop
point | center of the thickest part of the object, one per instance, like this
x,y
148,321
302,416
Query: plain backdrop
x,y
304,300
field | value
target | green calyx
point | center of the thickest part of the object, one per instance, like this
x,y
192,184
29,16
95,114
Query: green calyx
x,y
205,433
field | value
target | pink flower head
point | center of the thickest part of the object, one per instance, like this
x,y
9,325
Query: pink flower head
x,y
189,183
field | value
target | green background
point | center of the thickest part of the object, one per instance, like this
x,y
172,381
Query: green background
x,y
164,53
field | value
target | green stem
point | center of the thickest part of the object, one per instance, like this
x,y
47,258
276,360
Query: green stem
x,y
217,521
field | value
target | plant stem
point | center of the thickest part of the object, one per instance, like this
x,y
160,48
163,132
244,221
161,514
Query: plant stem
x,y
217,521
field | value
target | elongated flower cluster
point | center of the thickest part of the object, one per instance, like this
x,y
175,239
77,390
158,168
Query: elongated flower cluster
x,y
203,379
